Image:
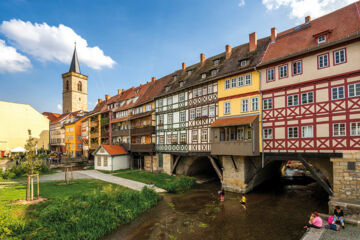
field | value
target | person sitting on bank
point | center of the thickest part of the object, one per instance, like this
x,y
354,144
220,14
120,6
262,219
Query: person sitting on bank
x,y
339,216
315,221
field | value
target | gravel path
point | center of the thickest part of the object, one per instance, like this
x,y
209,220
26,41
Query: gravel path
x,y
116,180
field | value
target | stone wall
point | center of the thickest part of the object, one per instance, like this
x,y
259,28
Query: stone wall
x,y
167,165
151,164
234,178
346,177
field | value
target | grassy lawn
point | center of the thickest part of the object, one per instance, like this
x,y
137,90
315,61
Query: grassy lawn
x,y
161,180
87,209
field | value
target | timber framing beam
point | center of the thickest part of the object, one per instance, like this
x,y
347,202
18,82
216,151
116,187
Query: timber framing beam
x,y
215,166
177,160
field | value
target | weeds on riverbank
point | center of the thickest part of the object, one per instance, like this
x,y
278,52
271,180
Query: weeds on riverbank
x,y
81,216
170,183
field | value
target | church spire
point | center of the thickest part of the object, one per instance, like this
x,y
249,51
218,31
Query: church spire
x,y
74,66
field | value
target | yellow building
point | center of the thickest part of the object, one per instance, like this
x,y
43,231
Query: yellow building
x,y
16,120
73,138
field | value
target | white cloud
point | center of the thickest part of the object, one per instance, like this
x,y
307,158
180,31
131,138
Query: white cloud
x,y
59,107
241,3
53,43
303,8
11,60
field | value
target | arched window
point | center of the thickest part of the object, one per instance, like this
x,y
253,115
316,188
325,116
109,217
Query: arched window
x,y
79,86
67,86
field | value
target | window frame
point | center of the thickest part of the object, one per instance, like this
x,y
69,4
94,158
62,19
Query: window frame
x,y
263,104
353,84
332,93
307,126
182,114
293,105
227,84
287,71
318,60
333,129
204,130
292,67
212,115
345,57
321,41
192,114
192,136
225,107
307,94
265,135
297,131
357,131
246,100
181,95
267,75
256,102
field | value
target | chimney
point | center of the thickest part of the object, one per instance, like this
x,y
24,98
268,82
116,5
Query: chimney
x,y
252,41
273,34
202,59
107,96
153,79
183,66
99,100
307,19
227,51
119,91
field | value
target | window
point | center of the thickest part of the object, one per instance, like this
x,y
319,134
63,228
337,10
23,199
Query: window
x,y
98,161
175,77
254,104
182,116
204,135
227,84
354,90
339,56
321,39
339,129
323,61
355,129
337,93
161,139
243,63
169,100
200,92
270,75
249,134
216,62
232,134
67,88
204,111
268,133
307,98
198,112
248,80
212,111
189,72
204,90
192,114
194,136
297,67
181,83
214,72
203,75
183,138
283,71
161,119
181,97
267,104
293,132
293,100
174,139
169,118
226,107
241,81
79,86
233,83
210,88
244,105
148,107
240,133
195,92
105,161
307,131
168,139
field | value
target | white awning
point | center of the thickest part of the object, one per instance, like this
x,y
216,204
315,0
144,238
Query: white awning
x,y
18,149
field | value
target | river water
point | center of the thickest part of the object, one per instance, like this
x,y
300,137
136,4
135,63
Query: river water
x,y
276,210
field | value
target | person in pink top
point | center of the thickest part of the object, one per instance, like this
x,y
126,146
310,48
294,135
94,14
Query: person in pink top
x,y
314,222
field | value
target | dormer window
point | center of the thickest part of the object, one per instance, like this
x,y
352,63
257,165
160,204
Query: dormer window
x,y
181,83
167,89
213,72
243,63
321,39
216,62
203,75
189,72
175,77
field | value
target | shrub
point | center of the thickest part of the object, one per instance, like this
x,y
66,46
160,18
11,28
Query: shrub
x,y
9,225
180,184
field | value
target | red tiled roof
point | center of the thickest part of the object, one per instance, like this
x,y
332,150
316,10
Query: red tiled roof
x,y
234,121
61,117
339,24
51,116
115,149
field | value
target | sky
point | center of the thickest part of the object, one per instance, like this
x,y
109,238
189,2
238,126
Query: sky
x,y
123,43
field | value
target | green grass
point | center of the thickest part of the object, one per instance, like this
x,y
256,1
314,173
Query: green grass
x,y
87,209
161,180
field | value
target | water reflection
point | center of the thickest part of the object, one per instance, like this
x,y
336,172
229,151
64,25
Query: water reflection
x,y
275,210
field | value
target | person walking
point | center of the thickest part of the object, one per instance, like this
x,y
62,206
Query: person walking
x,y
222,194
243,201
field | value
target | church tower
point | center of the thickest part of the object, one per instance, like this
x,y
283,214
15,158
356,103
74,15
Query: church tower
x,y
74,88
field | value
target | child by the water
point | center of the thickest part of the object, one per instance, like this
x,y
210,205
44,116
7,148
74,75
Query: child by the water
x,y
222,194
243,201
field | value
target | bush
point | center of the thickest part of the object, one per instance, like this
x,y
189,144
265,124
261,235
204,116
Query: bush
x,y
19,170
180,184
87,216
9,225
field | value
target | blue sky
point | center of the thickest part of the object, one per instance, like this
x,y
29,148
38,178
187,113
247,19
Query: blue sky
x,y
135,40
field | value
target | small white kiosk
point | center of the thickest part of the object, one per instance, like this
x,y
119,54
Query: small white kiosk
x,y
111,158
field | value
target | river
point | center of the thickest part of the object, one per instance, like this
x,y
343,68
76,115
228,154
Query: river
x,y
276,210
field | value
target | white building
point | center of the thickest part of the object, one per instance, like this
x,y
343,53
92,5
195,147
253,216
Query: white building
x,y
111,158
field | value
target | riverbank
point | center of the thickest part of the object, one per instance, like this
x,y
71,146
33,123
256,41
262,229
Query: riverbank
x,y
351,232
85,209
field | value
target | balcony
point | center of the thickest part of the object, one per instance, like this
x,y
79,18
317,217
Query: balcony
x,y
93,146
105,132
94,134
235,148
149,130
94,123
138,147
123,132
104,121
